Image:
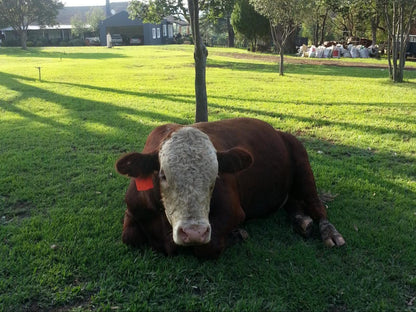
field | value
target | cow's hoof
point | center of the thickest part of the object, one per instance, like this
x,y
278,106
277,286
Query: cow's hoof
x,y
303,225
330,236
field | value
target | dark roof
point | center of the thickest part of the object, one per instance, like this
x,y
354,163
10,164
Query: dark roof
x,y
65,15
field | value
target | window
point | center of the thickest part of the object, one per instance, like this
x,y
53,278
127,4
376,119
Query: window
x,y
154,33
165,31
158,33
170,31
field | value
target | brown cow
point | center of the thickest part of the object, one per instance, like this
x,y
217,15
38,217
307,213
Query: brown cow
x,y
194,185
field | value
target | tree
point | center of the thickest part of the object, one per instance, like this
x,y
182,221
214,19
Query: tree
x,y
217,9
374,14
243,18
78,26
200,57
94,18
356,18
285,17
19,14
316,22
153,12
400,15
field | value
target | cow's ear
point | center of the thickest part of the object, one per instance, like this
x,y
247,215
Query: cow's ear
x,y
233,160
137,164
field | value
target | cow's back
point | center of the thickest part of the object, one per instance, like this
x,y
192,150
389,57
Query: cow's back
x,y
265,185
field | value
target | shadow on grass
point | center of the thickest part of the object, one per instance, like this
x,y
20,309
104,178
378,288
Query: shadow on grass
x,y
317,122
60,53
78,113
13,82
345,165
307,69
78,106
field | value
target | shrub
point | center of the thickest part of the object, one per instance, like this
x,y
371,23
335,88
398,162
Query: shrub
x,y
76,42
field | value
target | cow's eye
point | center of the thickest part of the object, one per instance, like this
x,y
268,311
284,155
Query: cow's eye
x,y
162,176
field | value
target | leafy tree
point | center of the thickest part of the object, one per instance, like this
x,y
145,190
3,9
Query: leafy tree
x,y
19,14
213,33
243,18
94,18
285,17
374,13
78,26
221,9
316,22
154,11
400,15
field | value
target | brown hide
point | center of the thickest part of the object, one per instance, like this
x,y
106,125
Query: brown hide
x,y
280,171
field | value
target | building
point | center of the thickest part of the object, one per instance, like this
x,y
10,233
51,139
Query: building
x,y
136,32
117,22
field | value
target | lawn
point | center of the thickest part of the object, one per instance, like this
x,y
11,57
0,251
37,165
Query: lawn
x,y
61,201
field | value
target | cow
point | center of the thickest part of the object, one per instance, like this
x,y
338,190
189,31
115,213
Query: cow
x,y
194,185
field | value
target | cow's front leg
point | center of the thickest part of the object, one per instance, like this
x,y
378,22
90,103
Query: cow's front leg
x,y
330,236
132,234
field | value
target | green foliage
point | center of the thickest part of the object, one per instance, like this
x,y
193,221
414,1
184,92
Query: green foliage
x,y
61,202
154,11
78,26
244,17
285,18
94,18
19,14
281,12
400,18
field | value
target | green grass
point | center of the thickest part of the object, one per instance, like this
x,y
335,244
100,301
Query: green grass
x,y
61,202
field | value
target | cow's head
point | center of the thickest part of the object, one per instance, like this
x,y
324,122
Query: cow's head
x,y
186,168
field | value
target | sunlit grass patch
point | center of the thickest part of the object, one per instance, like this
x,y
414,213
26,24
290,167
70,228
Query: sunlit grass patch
x,y
61,201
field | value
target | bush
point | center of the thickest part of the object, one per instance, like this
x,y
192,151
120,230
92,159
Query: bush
x,y
56,42
76,42
11,43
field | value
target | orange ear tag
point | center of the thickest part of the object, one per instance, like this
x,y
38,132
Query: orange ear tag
x,y
144,184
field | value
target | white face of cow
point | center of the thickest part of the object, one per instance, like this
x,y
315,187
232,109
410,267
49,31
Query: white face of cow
x,y
188,170
188,166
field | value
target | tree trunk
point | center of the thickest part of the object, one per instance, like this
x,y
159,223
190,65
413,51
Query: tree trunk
x,y
398,33
321,41
231,34
23,39
200,56
375,20
316,33
281,60
279,40
389,48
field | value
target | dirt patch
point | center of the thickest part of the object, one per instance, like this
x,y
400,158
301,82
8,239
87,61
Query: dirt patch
x,y
305,60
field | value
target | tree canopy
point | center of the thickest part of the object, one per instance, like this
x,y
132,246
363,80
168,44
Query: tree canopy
x,y
285,17
94,18
154,11
399,15
221,9
244,17
19,14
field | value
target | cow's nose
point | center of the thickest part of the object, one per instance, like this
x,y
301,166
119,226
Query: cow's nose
x,y
194,234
